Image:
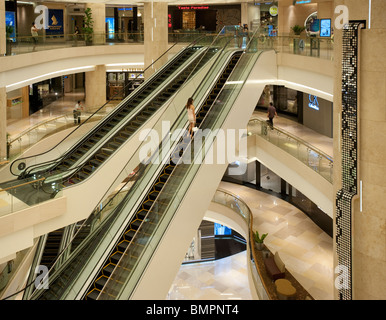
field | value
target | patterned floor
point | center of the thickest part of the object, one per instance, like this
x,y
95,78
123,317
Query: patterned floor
x,y
306,250
223,279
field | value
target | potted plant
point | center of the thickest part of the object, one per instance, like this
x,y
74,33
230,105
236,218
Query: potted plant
x,y
259,241
88,29
297,29
9,31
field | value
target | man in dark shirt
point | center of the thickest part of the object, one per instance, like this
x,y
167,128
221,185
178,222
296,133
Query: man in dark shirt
x,y
271,113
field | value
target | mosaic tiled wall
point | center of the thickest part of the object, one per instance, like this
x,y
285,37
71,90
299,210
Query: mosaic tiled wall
x,y
349,155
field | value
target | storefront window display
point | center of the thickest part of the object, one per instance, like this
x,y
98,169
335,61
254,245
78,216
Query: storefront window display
x,y
121,84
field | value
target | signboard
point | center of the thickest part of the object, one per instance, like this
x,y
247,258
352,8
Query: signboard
x,y
273,11
313,102
325,28
55,22
10,21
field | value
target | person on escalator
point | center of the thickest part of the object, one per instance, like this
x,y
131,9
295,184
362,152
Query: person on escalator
x,y
191,115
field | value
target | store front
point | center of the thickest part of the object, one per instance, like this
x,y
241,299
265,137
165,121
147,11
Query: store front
x,y
307,109
202,18
120,84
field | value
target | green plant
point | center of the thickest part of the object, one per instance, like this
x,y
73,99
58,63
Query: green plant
x,y
297,29
88,21
257,237
9,31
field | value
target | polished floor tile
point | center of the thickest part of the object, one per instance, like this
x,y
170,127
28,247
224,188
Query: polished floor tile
x,y
306,250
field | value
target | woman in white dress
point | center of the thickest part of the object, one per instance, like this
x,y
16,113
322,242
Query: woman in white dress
x,y
191,115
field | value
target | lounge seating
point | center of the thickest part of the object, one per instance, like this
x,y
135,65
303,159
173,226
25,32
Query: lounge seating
x,y
275,267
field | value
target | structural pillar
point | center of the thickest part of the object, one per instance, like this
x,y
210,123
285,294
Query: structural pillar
x,y
3,44
368,219
155,34
95,90
98,11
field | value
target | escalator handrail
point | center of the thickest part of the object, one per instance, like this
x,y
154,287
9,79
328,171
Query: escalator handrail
x,y
160,193
85,121
180,159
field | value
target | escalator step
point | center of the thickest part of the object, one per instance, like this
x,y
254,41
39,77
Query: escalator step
x,y
115,257
122,246
135,224
93,294
129,235
100,282
141,214
120,139
107,270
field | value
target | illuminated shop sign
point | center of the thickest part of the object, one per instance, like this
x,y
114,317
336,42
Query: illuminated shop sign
x,y
313,102
303,1
273,11
193,7
55,24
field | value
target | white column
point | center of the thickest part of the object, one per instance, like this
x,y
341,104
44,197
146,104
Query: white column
x,y
156,32
2,28
95,90
99,16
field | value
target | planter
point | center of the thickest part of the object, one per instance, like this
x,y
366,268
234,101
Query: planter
x,y
259,245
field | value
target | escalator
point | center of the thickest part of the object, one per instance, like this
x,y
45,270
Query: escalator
x,y
141,215
59,283
52,247
114,131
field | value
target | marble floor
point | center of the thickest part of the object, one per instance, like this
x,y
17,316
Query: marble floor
x,y
306,250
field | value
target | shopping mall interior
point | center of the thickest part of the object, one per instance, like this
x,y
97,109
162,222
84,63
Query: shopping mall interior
x,y
111,190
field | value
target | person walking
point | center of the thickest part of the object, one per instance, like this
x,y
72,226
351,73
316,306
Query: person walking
x,y
78,108
271,114
34,34
191,115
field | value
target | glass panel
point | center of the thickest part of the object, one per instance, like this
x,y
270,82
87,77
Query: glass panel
x,y
301,150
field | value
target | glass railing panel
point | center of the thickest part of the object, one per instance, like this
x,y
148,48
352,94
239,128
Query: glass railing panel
x,y
11,199
295,146
22,44
233,202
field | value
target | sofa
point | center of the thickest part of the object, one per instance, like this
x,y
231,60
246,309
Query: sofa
x,y
275,267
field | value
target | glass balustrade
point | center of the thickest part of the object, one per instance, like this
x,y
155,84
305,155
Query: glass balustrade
x,y
236,204
315,159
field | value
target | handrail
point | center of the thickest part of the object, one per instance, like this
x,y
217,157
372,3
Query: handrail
x,y
92,115
324,163
22,184
248,219
300,140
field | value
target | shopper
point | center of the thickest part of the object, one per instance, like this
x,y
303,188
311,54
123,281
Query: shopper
x,y
191,115
271,113
79,108
76,33
35,35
